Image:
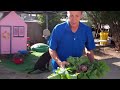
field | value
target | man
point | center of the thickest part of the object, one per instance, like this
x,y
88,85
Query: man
x,y
70,39
46,35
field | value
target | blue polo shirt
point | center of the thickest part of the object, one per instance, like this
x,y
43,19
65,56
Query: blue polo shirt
x,y
67,43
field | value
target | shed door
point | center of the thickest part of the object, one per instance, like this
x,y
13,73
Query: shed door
x,y
5,40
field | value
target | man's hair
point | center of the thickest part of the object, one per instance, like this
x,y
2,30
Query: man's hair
x,y
69,11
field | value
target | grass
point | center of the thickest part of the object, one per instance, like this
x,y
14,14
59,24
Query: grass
x,y
28,64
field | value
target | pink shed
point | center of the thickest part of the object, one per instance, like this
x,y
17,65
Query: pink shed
x,y
13,34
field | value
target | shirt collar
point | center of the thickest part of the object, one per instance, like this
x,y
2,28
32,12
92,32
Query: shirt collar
x,y
67,27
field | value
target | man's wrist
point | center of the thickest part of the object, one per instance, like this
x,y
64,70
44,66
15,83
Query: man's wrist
x,y
59,62
90,57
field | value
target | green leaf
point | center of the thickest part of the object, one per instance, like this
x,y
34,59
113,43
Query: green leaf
x,y
54,76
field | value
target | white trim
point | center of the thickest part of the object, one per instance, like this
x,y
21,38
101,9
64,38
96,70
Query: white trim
x,y
97,40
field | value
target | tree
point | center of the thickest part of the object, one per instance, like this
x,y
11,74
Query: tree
x,y
111,18
41,19
53,19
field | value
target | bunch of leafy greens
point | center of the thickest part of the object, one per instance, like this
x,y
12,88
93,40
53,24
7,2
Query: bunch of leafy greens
x,y
96,69
62,73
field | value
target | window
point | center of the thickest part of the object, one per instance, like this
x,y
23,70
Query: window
x,y
18,31
21,31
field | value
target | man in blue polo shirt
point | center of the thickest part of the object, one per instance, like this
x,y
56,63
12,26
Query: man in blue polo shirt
x,y
70,38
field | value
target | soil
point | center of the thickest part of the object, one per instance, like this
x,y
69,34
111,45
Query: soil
x,y
108,54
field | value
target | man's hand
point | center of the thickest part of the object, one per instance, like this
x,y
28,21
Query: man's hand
x,y
90,55
63,64
56,58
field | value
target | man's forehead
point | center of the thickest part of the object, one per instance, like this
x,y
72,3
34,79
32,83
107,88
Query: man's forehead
x,y
68,12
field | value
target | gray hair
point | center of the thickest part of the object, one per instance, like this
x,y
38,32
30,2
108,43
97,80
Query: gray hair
x,y
69,11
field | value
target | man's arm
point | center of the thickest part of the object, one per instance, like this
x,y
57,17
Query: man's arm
x,y
90,55
54,55
90,45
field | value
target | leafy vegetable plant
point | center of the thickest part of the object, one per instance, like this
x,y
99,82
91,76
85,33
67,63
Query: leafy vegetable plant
x,y
81,68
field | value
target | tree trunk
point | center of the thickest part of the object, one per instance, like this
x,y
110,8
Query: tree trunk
x,y
115,30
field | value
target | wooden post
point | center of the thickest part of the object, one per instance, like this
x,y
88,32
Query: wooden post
x,y
46,21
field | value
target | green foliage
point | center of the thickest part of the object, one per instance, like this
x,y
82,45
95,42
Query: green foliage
x,y
54,76
104,17
96,70
53,19
41,18
62,73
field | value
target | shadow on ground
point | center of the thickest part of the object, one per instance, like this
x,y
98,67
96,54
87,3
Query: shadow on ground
x,y
114,64
100,51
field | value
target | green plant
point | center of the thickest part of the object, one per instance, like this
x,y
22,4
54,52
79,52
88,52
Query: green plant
x,y
94,70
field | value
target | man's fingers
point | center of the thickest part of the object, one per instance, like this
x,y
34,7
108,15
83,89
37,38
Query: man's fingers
x,y
68,63
62,65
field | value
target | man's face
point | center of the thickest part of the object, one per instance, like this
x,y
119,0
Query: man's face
x,y
74,17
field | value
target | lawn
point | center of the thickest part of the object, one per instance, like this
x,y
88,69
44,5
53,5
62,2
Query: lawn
x,y
28,64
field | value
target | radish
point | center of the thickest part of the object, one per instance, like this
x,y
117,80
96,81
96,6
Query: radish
x,y
83,68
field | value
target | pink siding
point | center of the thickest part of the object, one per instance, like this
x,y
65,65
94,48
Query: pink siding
x,y
18,43
5,40
12,19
